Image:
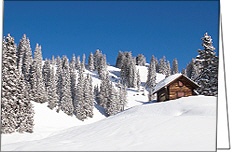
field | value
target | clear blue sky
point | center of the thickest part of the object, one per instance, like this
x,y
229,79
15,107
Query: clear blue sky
x,y
161,28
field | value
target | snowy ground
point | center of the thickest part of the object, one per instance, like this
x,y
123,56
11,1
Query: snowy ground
x,y
184,124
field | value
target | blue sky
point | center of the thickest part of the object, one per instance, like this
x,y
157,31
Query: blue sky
x,y
161,28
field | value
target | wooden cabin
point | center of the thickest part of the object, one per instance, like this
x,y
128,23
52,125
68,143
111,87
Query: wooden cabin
x,y
175,86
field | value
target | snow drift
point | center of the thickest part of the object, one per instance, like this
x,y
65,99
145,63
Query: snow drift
x,y
188,123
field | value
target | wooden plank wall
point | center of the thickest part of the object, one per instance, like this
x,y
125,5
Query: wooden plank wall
x,y
174,88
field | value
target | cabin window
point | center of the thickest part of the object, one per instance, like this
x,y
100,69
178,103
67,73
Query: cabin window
x,y
180,84
180,94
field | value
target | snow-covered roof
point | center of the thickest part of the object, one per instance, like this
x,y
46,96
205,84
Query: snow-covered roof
x,y
168,80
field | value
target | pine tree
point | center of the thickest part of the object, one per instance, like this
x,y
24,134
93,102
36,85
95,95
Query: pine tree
x,y
53,98
15,116
184,72
46,71
163,66
59,81
25,118
73,77
102,67
66,97
140,60
120,59
168,70
128,70
151,75
24,56
83,62
207,61
96,58
192,70
91,62
88,96
78,63
175,66
79,110
40,94
138,80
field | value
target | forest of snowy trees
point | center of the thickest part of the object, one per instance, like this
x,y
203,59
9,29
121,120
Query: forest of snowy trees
x,y
64,85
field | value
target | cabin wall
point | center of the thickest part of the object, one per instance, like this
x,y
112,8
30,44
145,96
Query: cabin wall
x,y
176,90
162,95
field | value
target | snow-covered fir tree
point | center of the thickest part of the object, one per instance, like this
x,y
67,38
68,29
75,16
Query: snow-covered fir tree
x,y
207,61
39,93
78,63
122,98
58,79
88,96
151,75
46,71
24,56
25,118
140,60
175,66
14,115
73,77
66,97
128,70
102,67
163,66
53,98
192,70
91,62
79,110
138,80
168,71
184,72
97,56
120,59
83,62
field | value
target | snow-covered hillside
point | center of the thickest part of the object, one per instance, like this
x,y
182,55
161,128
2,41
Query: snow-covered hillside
x,y
187,123
184,124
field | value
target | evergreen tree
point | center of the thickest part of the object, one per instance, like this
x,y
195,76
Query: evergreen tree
x,y
66,97
58,80
16,109
91,62
128,71
88,97
140,60
79,110
192,70
102,67
83,62
168,71
163,66
97,56
73,77
184,72
138,80
151,75
40,94
24,56
25,117
46,71
78,63
207,61
122,97
175,66
53,98
120,59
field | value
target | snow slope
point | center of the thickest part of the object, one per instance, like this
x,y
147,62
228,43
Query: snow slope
x,y
188,123
183,124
